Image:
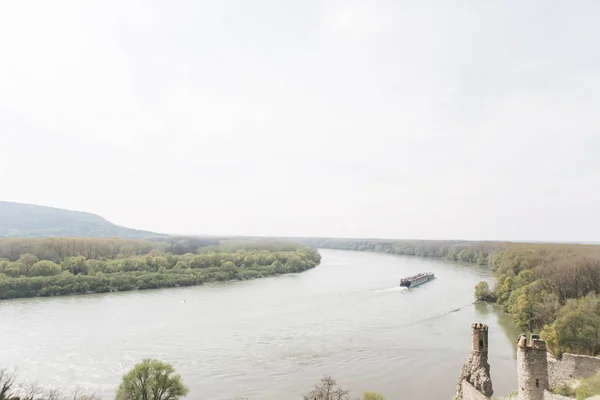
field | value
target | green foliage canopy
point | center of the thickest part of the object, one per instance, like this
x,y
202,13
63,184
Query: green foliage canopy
x,y
151,380
51,267
372,396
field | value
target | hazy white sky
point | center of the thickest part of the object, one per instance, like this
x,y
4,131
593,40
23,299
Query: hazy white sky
x,y
402,119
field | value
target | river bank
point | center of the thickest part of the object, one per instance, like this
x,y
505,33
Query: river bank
x,y
270,338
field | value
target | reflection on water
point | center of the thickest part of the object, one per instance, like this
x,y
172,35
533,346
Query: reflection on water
x,y
271,338
483,308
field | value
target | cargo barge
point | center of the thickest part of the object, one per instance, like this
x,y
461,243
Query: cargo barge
x,y
417,279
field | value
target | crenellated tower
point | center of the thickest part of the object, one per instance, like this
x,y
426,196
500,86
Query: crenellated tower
x,y
476,369
479,336
532,368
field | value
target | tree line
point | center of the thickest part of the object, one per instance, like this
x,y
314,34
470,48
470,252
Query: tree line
x,y
51,267
153,379
551,289
57,248
453,250
148,380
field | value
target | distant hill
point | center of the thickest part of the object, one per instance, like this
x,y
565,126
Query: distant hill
x,y
28,220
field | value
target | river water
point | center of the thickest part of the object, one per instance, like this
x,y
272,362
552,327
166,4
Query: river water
x,y
272,338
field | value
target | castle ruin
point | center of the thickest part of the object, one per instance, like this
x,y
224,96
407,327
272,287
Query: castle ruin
x,y
534,371
532,368
476,370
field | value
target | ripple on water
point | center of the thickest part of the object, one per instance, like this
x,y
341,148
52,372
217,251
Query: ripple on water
x,y
267,339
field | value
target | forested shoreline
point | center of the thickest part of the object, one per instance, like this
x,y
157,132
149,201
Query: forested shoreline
x,y
61,266
551,289
453,250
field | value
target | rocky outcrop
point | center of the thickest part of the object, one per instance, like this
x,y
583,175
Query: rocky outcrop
x,y
476,371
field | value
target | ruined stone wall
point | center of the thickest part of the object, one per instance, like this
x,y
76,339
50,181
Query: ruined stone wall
x,y
572,366
470,393
537,370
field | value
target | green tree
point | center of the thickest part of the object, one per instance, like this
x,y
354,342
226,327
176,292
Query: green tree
x,y
27,259
151,380
45,268
75,265
546,307
25,262
504,288
577,328
372,396
483,293
522,308
230,269
550,335
13,270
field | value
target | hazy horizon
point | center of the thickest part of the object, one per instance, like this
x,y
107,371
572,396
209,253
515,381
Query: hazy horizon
x,y
381,119
234,235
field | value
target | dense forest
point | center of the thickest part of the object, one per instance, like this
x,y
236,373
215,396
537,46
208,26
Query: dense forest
x,y
31,267
552,289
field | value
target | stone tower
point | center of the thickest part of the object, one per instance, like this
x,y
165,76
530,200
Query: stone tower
x,y
479,337
532,368
476,369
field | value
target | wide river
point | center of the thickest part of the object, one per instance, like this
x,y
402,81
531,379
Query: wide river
x,y
272,338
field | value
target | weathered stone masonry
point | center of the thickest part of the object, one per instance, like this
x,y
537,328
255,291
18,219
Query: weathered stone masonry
x,y
476,369
532,368
536,369
572,366
470,393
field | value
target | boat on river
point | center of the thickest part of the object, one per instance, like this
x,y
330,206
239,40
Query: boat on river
x,y
417,279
